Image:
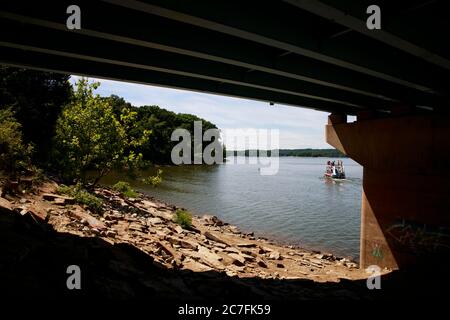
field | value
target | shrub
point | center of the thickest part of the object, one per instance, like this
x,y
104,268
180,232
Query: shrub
x,y
154,180
125,189
183,218
82,196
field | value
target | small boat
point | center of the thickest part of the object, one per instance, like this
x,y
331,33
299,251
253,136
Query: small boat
x,y
335,170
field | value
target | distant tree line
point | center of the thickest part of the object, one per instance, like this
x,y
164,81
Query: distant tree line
x,y
329,153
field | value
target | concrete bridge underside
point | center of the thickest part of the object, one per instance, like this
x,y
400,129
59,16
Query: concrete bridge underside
x,y
312,54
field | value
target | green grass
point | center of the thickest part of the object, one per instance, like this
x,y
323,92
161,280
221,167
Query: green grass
x,y
125,189
183,218
82,197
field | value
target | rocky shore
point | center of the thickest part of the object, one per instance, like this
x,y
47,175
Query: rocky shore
x,y
209,244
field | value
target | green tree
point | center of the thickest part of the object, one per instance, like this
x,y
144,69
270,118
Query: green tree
x,y
14,153
88,136
37,99
162,123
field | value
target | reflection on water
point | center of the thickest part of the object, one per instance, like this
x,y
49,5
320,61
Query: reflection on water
x,y
297,205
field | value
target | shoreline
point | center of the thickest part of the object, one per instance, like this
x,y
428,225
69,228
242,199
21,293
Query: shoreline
x,y
148,224
272,239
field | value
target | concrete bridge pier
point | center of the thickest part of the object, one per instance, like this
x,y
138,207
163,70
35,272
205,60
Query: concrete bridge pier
x,y
405,212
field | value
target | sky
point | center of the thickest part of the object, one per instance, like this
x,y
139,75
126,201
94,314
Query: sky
x,y
298,127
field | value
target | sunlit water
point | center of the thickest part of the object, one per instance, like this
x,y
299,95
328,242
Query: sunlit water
x,y
297,205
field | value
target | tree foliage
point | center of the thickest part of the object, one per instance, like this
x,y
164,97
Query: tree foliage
x,y
87,132
161,123
14,153
89,136
37,99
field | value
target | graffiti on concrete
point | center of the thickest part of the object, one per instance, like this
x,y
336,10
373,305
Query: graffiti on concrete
x,y
377,253
418,238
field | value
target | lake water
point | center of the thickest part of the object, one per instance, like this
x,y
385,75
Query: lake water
x,y
296,205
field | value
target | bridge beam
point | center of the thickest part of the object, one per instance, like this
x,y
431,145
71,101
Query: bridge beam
x,y
405,207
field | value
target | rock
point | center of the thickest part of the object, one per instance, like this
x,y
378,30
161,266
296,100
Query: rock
x,y
136,227
5,206
263,250
38,215
154,221
262,264
234,229
220,245
195,265
178,229
60,202
249,252
212,220
23,201
26,182
150,204
215,238
275,255
238,260
246,245
92,222
247,257
210,258
183,243
314,262
280,265
165,215
230,273
194,229
111,233
58,199
231,250
110,223
115,216
166,249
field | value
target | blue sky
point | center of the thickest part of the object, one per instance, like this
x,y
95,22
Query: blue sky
x,y
298,127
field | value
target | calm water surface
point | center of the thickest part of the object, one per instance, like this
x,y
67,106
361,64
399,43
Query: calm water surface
x,y
296,205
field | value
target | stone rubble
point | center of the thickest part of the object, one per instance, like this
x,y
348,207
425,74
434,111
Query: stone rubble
x,y
210,244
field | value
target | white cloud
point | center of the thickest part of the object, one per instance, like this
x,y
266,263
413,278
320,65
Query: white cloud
x,y
299,127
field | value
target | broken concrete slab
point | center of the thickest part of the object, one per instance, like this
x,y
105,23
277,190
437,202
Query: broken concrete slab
x,y
274,255
213,237
182,243
58,199
246,245
92,221
237,259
